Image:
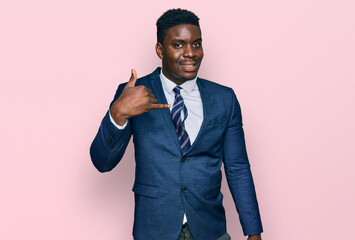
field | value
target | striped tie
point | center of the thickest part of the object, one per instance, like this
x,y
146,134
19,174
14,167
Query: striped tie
x,y
181,133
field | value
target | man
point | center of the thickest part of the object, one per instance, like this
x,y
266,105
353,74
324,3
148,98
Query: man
x,y
183,127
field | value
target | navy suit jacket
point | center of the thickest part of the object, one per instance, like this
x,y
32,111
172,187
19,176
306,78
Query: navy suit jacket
x,y
167,184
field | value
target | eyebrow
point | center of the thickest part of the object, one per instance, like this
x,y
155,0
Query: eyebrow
x,y
180,40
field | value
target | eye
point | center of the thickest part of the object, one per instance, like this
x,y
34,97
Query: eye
x,y
197,44
177,45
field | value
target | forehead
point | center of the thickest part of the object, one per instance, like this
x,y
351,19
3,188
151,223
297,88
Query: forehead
x,y
183,32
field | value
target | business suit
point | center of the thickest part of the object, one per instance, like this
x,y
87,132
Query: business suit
x,y
167,183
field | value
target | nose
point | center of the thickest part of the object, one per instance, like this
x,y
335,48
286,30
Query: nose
x,y
189,51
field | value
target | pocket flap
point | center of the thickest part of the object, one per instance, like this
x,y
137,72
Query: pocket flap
x,y
145,190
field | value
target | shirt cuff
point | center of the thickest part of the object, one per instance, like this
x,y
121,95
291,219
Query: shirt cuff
x,y
116,125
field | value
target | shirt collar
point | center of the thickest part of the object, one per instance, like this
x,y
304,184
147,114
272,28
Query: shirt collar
x,y
169,85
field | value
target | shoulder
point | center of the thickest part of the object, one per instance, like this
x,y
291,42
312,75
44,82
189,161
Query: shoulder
x,y
215,89
213,85
215,92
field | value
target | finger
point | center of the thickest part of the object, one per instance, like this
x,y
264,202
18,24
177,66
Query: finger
x,y
159,106
151,95
133,78
144,90
148,90
153,100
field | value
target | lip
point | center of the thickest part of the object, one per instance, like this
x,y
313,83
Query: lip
x,y
189,66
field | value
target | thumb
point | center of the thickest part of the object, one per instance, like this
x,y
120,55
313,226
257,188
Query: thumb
x,y
133,78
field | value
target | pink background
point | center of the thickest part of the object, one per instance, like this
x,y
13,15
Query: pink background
x,y
291,64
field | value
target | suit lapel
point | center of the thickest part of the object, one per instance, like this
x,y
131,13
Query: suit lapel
x,y
206,102
158,91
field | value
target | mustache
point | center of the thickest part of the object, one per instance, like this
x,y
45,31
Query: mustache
x,y
189,61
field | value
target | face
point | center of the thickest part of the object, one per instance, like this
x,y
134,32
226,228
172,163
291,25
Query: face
x,y
181,52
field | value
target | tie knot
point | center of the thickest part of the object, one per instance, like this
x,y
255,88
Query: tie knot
x,y
177,89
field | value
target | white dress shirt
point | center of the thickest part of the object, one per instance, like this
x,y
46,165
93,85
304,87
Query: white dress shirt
x,y
192,99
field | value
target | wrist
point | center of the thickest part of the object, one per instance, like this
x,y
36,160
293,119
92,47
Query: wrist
x,y
254,237
117,115
119,120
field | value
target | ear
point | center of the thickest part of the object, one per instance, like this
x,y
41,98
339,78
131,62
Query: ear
x,y
159,50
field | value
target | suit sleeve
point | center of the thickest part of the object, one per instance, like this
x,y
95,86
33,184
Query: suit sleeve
x,y
110,143
238,172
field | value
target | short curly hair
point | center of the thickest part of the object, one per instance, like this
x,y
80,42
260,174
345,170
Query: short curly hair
x,y
172,18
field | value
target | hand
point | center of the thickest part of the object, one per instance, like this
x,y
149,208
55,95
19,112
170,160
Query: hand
x,y
254,237
134,101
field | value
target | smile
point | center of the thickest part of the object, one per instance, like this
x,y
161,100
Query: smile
x,y
188,67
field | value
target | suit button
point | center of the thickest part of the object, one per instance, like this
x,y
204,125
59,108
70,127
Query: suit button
x,y
183,159
184,189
